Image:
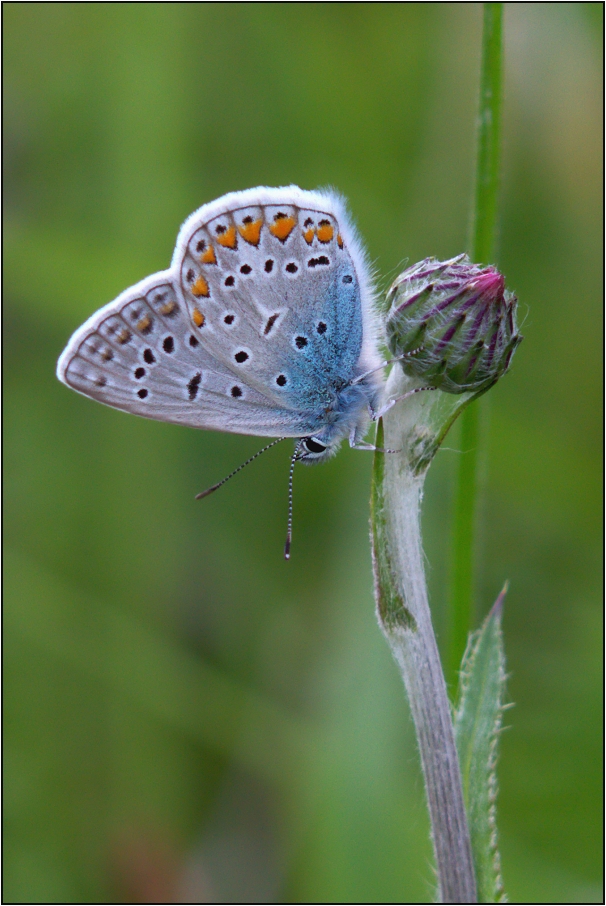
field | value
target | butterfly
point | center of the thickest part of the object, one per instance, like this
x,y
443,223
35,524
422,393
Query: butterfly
x,y
264,324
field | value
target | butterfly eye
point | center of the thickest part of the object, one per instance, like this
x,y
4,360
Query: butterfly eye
x,y
313,446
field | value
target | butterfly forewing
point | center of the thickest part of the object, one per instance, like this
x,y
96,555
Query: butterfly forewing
x,y
272,292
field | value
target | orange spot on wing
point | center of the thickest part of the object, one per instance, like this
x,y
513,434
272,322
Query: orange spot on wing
x,y
124,336
208,256
325,231
251,231
282,226
200,287
339,240
168,307
144,324
227,237
308,235
198,318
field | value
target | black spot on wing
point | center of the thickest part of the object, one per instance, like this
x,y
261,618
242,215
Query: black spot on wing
x,y
193,385
270,323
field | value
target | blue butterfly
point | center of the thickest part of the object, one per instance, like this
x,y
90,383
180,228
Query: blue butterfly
x,y
264,324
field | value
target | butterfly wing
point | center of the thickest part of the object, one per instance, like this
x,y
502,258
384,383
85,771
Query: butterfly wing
x,y
277,287
264,315
141,354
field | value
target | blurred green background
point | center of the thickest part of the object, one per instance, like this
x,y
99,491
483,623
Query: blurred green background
x,y
188,717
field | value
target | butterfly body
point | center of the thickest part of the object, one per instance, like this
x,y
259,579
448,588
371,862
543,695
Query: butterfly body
x,y
262,325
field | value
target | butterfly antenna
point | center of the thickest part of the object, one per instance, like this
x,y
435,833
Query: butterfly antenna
x,y
287,544
239,469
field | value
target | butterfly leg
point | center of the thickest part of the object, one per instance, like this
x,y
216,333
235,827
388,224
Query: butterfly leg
x,y
381,412
356,444
399,358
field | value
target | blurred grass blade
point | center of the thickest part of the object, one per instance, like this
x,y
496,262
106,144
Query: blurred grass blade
x,y
485,212
477,724
482,250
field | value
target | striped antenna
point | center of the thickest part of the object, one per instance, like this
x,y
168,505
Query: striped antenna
x,y
239,469
295,456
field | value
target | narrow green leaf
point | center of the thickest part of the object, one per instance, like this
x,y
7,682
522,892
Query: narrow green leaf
x,y
477,723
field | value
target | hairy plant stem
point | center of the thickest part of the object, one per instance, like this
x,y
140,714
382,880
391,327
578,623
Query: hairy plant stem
x,y
416,430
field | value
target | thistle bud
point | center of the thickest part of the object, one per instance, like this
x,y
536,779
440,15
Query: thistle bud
x,y
454,322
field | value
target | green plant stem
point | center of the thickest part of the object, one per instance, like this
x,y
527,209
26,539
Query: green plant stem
x,y
482,250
